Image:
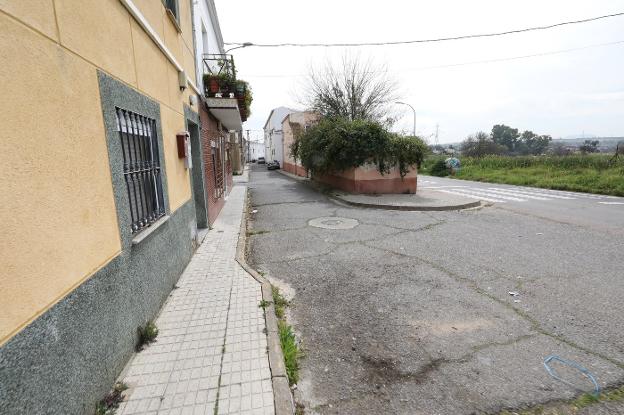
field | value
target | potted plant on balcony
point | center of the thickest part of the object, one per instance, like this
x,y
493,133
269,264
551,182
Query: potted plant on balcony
x,y
244,97
223,83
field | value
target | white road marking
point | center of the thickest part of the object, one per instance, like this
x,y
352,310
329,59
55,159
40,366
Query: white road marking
x,y
441,187
517,193
611,203
487,199
478,191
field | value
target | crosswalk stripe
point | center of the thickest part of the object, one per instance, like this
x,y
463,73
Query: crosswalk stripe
x,y
487,199
487,193
529,195
566,193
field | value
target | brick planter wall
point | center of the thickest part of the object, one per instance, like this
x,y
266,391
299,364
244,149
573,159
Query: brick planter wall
x,y
367,179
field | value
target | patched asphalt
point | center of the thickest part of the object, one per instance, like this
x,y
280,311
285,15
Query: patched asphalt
x,y
410,312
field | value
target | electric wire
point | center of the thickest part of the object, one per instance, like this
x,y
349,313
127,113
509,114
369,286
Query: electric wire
x,y
442,39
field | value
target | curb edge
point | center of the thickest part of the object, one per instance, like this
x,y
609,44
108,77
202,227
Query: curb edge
x,y
283,399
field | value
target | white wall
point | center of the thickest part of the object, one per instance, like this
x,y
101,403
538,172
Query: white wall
x,y
273,133
256,149
202,10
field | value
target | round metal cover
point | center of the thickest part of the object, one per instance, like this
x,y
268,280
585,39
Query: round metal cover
x,y
333,222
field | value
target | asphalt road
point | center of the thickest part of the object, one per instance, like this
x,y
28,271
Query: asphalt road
x,y
599,211
410,312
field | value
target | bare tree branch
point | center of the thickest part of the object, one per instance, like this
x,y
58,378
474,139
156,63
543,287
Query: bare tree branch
x,y
354,89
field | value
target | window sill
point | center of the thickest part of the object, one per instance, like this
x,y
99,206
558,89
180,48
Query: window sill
x,y
150,230
174,20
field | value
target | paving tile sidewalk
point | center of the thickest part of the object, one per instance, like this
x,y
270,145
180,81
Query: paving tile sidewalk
x,y
211,350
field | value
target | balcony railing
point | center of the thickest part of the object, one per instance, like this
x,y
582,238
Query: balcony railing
x,y
220,81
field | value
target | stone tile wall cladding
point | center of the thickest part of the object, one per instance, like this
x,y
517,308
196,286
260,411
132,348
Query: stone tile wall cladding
x,y
68,358
210,134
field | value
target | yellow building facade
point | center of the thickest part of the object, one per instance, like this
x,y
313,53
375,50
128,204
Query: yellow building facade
x,y
67,250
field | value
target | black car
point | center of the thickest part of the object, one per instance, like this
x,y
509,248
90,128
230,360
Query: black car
x,y
273,165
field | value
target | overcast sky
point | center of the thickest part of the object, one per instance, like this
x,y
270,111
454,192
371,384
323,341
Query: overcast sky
x,y
561,94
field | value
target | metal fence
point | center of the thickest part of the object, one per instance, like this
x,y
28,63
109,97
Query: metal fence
x,y
141,168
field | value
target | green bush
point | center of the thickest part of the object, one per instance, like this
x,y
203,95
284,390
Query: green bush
x,y
439,168
337,144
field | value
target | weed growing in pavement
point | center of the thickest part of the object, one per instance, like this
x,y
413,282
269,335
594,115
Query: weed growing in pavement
x,y
291,351
280,302
258,232
111,401
147,335
264,304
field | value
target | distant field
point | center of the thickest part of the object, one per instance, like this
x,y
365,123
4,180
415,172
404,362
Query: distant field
x,y
590,173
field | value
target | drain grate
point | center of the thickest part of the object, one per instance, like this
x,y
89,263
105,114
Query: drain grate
x,y
333,222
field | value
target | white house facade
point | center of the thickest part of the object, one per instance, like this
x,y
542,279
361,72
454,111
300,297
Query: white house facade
x,y
273,135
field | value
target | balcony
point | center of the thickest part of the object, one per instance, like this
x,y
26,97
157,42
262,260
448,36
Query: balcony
x,y
220,84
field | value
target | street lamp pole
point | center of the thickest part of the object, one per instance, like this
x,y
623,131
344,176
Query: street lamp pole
x,y
405,103
244,45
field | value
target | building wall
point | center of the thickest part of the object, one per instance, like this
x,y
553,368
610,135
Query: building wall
x,y
211,132
69,269
273,134
202,15
294,124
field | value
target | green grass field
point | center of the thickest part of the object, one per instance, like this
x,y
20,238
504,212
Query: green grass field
x,y
589,173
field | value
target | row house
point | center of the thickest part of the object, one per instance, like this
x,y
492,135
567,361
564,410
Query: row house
x,y
294,124
121,121
273,136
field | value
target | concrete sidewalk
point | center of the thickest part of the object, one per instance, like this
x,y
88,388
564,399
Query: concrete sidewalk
x,y
210,356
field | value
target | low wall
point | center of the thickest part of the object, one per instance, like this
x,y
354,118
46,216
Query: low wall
x,y
294,169
367,179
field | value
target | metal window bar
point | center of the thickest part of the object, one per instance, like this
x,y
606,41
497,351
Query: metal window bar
x,y
218,166
141,168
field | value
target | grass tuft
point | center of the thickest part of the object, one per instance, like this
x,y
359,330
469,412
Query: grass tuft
x,y
147,335
110,403
291,351
257,232
280,302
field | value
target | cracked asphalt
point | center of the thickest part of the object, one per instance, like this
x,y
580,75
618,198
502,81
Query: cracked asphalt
x,y
410,312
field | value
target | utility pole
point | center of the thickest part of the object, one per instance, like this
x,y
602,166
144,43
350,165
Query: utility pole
x,y
437,131
248,146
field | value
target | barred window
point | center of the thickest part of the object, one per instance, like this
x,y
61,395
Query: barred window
x,y
141,168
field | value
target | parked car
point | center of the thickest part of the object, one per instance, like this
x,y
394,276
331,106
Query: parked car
x,y
273,165
261,160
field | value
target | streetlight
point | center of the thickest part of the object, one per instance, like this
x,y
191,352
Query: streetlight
x,y
244,45
405,103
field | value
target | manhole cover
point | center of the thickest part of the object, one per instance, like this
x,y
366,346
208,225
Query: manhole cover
x,y
333,222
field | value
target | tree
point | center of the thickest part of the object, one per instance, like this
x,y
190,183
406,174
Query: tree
x,y
589,146
505,136
479,145
531,143
353,90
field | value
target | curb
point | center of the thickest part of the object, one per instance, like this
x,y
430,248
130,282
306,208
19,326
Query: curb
x,y
462,206
282,396
309,182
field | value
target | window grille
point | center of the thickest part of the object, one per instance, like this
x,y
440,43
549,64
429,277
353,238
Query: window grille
x,y
141,168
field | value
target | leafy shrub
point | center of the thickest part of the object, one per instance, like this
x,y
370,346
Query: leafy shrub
x,y
439,169
337,144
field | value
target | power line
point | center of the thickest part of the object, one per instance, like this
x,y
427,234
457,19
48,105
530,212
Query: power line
x,y
443,39
451,65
